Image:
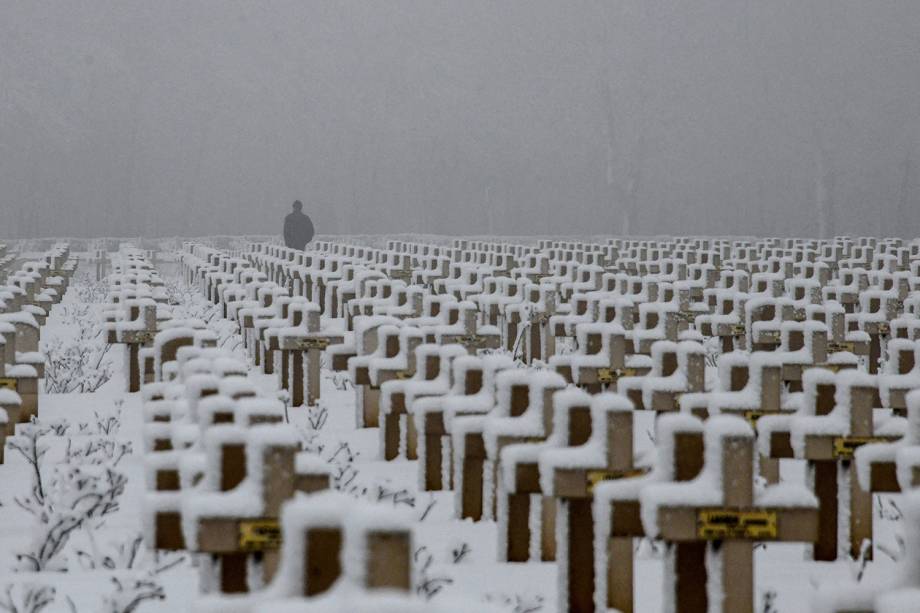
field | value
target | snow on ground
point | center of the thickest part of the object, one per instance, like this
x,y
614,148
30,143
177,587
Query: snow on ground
x,y
453,557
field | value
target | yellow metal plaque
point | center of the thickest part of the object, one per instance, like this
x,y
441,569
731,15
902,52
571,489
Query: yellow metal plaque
x,y
754,415
611,375
311,343
7,383
402,375
837,347
844,446
599,476
401,275
260,535
472,341
138,337
738,330
719,524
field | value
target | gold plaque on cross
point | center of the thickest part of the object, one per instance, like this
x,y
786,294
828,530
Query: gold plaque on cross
x,y
720,524
844,446
738,330
402,375
753,415
401,275
7,383
139,337
611,375
598,476
473,341
837,347
260,535
687,316
305,344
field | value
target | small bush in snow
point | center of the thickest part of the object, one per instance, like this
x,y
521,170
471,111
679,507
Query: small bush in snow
x,y
31,599
317,417
129,595
81,363
77,497
429,585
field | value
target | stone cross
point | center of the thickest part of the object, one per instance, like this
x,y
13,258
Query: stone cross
x,y
680,458
720,508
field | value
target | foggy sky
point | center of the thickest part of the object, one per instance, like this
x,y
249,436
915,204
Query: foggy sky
x,y
184,117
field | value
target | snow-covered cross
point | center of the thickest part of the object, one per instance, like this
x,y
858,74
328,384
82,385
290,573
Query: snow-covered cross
x,y
901,374
534,425
601,358
530,320
472,393
233,516
267,330
878,464
305,339
379,339
722,508
828,442
876,310
136,330
569,473
403,364
467,331
774,431
761,395
333,539
431,378
617,517
676,369
512,397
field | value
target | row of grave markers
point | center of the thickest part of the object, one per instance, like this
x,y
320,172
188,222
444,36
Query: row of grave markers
x,y
226,477
816,337
26,298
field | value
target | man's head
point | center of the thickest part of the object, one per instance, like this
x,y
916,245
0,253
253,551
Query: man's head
x,y
298,206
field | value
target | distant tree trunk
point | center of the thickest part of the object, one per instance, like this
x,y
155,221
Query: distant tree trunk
x,y
200,211
624,189
489,204
125,208
905,206
824,186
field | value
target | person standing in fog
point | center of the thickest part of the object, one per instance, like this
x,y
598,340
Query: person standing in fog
x,y
298,229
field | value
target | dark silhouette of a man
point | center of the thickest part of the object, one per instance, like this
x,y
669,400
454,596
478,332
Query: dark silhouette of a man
x,y
298,229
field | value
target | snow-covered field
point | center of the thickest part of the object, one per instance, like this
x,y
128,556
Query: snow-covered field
x,y
101,565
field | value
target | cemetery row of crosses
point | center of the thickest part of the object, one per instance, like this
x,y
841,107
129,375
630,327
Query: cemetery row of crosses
x,y
581,409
